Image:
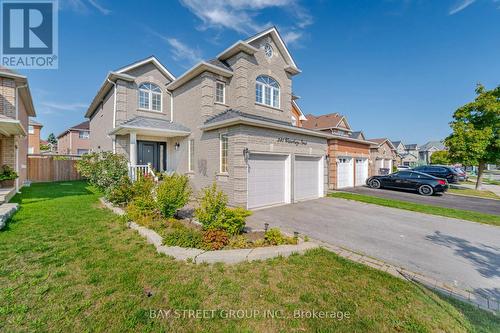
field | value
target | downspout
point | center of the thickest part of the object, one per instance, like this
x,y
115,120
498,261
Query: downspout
x,y
171,105
16,144
114,113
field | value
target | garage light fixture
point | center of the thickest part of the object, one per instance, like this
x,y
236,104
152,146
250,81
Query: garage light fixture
x,y
246,154
177,145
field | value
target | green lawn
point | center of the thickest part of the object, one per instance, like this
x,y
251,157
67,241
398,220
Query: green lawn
x,y
427,209
68,265
473,193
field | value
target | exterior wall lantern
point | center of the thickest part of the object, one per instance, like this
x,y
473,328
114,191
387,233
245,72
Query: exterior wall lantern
x,y
177,145
246,154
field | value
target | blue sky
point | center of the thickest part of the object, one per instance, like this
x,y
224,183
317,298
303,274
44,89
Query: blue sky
x,y
395,68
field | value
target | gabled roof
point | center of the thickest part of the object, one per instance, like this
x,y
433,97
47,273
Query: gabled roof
x,y
381,141
150,59
280,43
358,135
396,143
24,89
436,144
411,146
239,46
81,126
326,121
196,70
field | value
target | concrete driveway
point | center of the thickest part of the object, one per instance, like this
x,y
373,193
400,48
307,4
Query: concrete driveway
x,y
481,205
460,253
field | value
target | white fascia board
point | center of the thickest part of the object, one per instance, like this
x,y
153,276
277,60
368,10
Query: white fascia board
x,y
151,59
105,86
302,117
124,129
197,70
239,46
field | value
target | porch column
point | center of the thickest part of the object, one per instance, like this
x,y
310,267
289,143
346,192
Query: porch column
x,y
133,148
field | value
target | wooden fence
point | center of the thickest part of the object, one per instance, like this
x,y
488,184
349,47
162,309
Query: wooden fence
x,y
52,168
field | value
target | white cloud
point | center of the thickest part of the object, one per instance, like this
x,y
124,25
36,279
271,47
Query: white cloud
x,y
64,106
460,6
181,51
242,15
83,6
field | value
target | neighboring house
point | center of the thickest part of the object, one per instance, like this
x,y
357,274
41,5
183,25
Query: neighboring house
x,y
75,140
228,120
383,156
16,106
348,151
425,151
34,129
297,116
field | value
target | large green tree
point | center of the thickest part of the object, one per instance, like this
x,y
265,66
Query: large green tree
x,y
440,157
476,139
52,138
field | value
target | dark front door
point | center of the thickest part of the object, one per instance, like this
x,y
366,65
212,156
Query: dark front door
x,y
152,152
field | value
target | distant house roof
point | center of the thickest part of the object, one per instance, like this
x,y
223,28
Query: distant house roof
x,y
33,122
325,121
81,126
396,143
411,146
381,141
358,135
437,144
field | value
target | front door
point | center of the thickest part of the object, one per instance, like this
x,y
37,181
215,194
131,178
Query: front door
x,y
152,152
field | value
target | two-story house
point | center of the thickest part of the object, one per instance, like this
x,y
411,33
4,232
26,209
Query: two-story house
x,y
426,150
34,129
228,120
348,151
383,156
16,106
75,140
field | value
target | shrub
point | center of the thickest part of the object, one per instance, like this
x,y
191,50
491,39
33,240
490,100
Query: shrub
x,y
275,237
239,242
172,193
214,214
215,239
142,210
121,193
212,206
7,173
104,169
184,237
233,220
143,187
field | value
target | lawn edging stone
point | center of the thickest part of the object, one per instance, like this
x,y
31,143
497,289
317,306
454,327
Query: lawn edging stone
x,y
232,256
6,211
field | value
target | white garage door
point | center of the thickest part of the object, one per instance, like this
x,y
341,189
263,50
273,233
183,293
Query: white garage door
x,y
266,180
345,174
388,165
306,177
379,164
361,171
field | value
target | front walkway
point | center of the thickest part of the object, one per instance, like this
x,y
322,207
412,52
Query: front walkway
x,y
459,253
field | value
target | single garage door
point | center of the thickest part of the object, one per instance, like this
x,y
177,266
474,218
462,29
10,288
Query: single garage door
x,y
306,178
388,165
345,174
361,171
266,180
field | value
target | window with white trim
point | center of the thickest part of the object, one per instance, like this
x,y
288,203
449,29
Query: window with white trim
x,y
84,134
294,121
220,92
267,91
224,144
191,155
150,97
31,130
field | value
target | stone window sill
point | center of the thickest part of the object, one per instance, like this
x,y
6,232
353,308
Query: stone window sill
x,y
268,106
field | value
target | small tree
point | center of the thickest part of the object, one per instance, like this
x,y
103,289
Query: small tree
x,y
172,194
52,139
440,157
476,131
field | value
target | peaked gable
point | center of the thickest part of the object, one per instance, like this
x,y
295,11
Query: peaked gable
x,y
149,60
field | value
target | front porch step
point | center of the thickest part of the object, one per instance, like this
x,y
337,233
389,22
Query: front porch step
x,y
6,211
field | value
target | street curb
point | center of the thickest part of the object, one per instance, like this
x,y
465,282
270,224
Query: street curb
x,y
197,256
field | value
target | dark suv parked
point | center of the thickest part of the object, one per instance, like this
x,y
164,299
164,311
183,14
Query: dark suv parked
x,y
440,171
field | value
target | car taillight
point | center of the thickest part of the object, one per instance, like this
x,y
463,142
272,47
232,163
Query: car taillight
x,y
441,182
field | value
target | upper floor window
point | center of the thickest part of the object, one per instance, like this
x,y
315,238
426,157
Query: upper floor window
x,y
150,97
31,130
220,92
267,91
84,134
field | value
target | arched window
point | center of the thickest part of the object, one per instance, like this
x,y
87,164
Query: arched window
x,y
267,91
150,97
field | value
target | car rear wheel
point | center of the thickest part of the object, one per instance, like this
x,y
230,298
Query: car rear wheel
x,y
374,183
425,190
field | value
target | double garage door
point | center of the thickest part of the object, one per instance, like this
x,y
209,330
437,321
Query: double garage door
x,y
270,179
351,171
